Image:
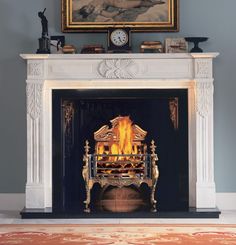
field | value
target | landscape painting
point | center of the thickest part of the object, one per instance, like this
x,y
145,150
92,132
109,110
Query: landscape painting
x,y
139,15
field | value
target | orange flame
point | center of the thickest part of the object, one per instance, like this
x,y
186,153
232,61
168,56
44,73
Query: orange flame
x,y
117,155
124,132
125,135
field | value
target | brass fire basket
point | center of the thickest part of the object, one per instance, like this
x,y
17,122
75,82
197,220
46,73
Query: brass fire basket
x,y
120,159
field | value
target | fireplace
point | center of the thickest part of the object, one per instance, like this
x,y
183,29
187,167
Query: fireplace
x,y
76,163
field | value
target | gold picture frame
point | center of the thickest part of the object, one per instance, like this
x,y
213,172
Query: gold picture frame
x,y
138,15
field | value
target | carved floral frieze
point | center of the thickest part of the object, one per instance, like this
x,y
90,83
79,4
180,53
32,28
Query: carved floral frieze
x,y
118,68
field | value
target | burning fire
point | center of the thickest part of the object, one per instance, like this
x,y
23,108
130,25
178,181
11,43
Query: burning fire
x,y
122,143
120,149
123,132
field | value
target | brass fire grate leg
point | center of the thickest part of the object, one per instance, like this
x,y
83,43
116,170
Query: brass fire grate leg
x,y
85,173
155,175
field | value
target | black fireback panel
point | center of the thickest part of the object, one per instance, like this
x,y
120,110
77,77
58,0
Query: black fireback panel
x,y
92,109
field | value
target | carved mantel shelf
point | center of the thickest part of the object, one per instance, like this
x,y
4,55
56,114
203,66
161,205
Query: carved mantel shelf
x,y
121,56
127,66
192,71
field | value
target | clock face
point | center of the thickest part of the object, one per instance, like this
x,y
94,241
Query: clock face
x,y
119,37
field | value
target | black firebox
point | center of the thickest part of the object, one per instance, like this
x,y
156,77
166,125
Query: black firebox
x,y
77,114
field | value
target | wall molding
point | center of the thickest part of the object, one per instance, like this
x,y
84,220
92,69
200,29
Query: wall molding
x,y
16,201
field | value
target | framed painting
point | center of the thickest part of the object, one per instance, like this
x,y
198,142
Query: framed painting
x,y
138,15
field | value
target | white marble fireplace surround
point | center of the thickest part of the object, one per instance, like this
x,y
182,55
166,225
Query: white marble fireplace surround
x,y
120,71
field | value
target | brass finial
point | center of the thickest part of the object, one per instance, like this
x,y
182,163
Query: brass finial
x,y
153,147
86,147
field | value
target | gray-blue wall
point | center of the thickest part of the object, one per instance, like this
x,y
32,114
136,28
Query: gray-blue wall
x,y
19,30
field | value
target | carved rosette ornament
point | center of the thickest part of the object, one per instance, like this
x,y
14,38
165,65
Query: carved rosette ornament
x,y
204,92
35,69
34,100
203,68
118,68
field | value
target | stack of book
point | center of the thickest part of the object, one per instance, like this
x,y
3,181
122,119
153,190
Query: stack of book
x,y
69,49
92,49
151,47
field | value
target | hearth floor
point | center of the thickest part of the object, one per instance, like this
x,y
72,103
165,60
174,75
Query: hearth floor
x,y
13,217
